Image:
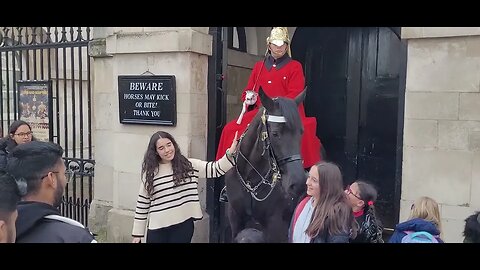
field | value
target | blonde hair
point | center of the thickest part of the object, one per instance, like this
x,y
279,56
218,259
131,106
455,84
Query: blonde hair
x,y
427,208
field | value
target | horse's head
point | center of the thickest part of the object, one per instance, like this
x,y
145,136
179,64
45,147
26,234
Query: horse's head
x,y
284,131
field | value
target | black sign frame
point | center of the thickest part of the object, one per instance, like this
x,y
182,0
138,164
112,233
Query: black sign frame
x,y
141,99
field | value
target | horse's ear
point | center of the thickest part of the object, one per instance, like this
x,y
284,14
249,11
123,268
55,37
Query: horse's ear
x,y
299,99
266,100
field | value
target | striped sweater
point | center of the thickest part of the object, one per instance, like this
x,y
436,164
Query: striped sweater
x,y
171,205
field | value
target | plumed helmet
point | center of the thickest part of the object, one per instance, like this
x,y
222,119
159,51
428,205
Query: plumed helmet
x,y
279,36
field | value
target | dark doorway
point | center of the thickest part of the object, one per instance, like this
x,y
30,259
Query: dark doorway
x,y
356,81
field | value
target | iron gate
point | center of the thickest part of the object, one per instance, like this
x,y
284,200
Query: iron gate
x,y
58,55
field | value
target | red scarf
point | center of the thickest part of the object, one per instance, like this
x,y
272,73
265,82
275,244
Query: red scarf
x,y
358,213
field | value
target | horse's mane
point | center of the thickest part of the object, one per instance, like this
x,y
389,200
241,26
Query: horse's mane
x,y
290,111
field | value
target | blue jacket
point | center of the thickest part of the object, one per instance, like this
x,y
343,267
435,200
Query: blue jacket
x,y
416,225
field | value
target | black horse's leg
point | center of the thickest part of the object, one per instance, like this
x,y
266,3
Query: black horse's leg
x,y
276,229
237,223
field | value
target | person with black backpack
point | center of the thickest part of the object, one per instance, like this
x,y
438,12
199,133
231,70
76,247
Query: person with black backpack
x,y
423,225
362,196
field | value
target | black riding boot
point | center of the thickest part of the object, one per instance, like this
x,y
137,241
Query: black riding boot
x,y
223,195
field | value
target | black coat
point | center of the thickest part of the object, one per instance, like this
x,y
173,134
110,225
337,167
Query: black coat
x,y
6,147
41,223
336,238
369,230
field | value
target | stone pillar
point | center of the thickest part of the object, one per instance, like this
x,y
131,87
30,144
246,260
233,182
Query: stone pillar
x,y
441,151
119,148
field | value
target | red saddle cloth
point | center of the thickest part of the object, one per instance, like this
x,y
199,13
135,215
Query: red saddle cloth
x,y
310,144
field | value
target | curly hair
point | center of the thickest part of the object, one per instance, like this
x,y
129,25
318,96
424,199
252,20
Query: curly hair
x,y
182,167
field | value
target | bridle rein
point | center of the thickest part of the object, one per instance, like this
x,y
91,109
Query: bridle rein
x,y
273,175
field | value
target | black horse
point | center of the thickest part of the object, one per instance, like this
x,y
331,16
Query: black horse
x,y
264,186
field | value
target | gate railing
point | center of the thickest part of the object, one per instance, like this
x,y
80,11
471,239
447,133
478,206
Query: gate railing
x,y
57,54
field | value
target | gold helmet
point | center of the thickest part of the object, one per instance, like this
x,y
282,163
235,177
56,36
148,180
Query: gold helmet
x,y
279,36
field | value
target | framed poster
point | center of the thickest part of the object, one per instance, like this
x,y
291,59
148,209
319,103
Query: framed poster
x,y
35,107
147,100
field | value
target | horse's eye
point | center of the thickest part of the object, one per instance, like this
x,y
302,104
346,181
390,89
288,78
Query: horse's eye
x,y
275,134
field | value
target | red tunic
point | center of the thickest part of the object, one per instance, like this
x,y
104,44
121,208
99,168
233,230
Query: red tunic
x,y
283,78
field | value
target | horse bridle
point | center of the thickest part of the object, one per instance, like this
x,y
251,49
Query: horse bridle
x,y
274,170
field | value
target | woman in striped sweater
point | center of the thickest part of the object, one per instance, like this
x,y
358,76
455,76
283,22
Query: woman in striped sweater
x,y
168,194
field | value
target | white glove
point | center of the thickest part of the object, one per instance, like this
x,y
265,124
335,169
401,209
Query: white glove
x,y
250,97
244,109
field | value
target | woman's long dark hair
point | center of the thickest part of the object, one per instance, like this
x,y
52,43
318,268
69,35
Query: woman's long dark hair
x,y
332,214
182,167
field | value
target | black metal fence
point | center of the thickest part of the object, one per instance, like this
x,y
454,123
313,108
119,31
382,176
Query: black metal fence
x,y
58,55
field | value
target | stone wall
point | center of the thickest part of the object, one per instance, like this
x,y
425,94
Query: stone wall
x,y
441,152
119,148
